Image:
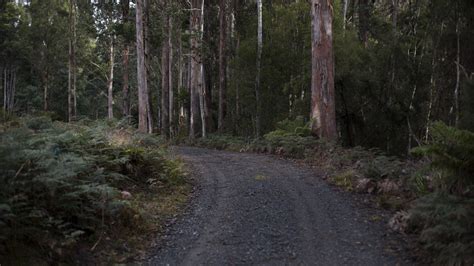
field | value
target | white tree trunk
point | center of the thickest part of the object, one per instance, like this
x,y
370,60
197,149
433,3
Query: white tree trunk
x,y
110,82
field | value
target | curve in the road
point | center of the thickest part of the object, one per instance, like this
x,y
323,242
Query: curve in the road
x,y
261,210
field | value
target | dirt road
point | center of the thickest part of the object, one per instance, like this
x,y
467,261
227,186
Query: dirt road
x,y
258,209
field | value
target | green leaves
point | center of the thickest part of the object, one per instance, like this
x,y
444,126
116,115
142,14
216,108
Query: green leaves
x,y
451,152
62,181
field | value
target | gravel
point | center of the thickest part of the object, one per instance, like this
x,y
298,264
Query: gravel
x,y
251,209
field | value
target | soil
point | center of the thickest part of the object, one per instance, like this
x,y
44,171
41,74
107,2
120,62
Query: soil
x,y
260,209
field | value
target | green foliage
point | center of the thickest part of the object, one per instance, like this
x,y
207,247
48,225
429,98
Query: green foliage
x,y
452,153
382,166
60,183
446,227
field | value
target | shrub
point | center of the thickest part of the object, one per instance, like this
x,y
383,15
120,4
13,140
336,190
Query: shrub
x,y
446,227
445,219
451,152
61,182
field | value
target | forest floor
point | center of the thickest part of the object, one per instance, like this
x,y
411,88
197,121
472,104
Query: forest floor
x,y
261,209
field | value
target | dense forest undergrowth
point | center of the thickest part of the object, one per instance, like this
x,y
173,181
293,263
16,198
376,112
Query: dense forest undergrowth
x,y
87,192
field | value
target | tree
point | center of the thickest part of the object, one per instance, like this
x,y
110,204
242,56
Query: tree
x,y
165,71
143,104
196,97
125,60
259,61
72,98
323,108
222,63
110,80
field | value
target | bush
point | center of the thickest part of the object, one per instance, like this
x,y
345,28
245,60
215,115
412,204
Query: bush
x,y
451,152
61,182
445,219
446,227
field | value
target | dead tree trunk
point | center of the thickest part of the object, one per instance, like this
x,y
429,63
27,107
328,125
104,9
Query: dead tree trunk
x,y
323,110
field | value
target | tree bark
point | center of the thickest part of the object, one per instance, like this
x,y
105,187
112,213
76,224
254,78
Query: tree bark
x,y
146,44
170,77
222,64
201,80
110,82
195,66
141,72
9,85
165,70
125,63
259,59
45,91
364,16
323,110
344,13
72,103
458,72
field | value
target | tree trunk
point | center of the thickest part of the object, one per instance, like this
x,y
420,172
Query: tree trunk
x,y
323,109
170,77
458,72
165,82
364,16
146,44
125,63
141,72
45,91
9,85
201,81
195,65
72,62
110,82
259,59
344,13
222,64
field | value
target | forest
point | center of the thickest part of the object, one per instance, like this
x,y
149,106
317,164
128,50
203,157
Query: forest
x,y
96,96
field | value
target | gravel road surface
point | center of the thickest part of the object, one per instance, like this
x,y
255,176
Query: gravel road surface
x,y
251,209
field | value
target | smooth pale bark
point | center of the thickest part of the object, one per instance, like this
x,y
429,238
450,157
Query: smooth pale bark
x,y
195,66
259,59
165,82
110,82
201,79
141,71
125,63
345,5
222,64
323,110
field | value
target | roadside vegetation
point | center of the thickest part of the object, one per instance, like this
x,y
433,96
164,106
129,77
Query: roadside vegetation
x,y
91,190
431,193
